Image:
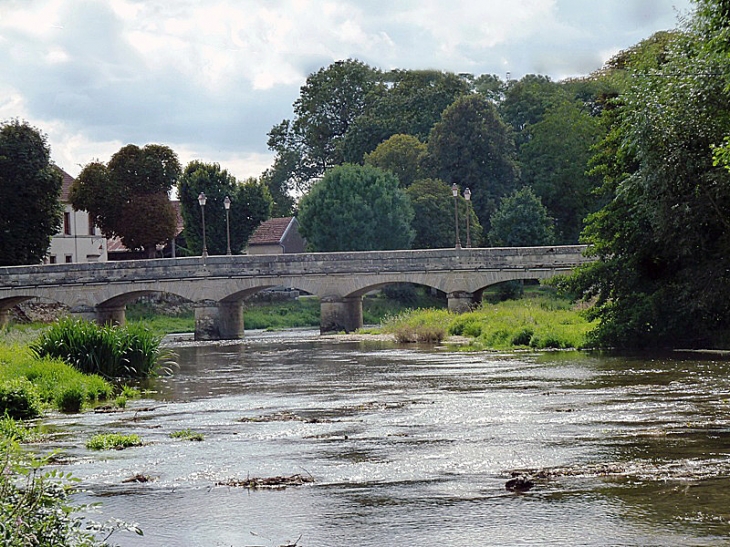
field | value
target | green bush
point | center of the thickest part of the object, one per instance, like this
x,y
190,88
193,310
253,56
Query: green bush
x,y
113,441
187,434
110,351
19,399
71,398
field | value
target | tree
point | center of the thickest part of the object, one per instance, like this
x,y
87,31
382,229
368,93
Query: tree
x,y
662,243
402,155
329,102
356,208
30,187
433,221
554,163
410,103
526,100
251,204
473,148
521,221
128,197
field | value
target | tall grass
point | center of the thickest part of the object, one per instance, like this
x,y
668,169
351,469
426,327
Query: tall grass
x,y
541,321
48,380
110,351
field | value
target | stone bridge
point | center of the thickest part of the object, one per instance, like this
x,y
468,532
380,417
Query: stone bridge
x,y
218,285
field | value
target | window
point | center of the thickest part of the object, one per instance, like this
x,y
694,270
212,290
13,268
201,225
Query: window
x,y
92,228
67,223
69,259
52,259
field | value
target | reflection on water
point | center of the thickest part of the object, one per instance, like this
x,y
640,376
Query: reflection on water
x,y
413,446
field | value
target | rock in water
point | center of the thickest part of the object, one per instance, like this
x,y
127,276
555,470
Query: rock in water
x,y
519,484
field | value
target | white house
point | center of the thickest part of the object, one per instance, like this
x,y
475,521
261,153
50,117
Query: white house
x,y
79,240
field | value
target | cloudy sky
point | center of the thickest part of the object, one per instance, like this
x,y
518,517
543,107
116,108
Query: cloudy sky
x,y
209,78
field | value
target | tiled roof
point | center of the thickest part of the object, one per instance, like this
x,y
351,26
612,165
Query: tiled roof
x,y
68,180
270,231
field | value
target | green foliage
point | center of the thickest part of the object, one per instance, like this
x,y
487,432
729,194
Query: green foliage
x,y
402,155
52,380
110,351
356,208
30,210
128,197
251,204
36,508
329,102
71,398
19,399
427,326
303,312
472,147
187,435
663,241
521,221
16,431
433,220
113,441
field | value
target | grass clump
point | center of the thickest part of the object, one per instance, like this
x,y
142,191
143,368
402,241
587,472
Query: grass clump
x,y
541,320
110,351
113,441
187,434
28,384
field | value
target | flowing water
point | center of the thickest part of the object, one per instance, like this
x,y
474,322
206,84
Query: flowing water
x,y
413,446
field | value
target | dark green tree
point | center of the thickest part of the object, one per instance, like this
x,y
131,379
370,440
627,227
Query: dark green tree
x,y
663,241
402,155
555,162
356,208
410,103
251,204
30,187
329,102
473,148
128,197
434,216
521,221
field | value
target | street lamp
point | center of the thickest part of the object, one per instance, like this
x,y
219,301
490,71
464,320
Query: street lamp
x,y
467,197
455,193
227,205
202,199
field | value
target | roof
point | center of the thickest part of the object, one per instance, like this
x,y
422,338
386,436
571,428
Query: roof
x,y
270,232
68,180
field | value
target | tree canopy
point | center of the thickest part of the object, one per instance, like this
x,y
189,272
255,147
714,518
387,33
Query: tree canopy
x,y
250,205
356,208
128,197
402,155
521,221
663,240
30,187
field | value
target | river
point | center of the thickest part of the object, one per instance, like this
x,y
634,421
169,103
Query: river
x,y
413,446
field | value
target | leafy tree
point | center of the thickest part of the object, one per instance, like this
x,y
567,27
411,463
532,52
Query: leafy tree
x,y
521,221
491,86
473,148
663,241
433,221
410,103
329,102
30,211
554,163
356,208
128,197
526,101
402,155
251,204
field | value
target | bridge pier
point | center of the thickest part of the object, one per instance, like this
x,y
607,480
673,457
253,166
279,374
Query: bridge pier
x,y
340,314
218,320
111,315
462,301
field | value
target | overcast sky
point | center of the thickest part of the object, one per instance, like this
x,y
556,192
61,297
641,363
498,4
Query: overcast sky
x,y
209,78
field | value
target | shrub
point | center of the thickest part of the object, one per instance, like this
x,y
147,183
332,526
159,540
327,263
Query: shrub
x,y
71,398
110,441
187,434
19,399
110,351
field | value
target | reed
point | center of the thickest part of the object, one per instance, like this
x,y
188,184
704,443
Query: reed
x,y
109,351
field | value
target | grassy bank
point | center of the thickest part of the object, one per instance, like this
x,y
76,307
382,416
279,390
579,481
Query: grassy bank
x,y
539,320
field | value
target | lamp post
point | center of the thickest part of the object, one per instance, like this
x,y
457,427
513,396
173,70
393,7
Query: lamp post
x,y
202,199
227,205
467,197
455,193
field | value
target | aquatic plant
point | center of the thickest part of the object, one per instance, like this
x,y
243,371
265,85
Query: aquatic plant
x,y
187,434
113,441
110,351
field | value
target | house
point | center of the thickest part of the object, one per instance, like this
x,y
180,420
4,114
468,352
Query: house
x,y
277,236
79,240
